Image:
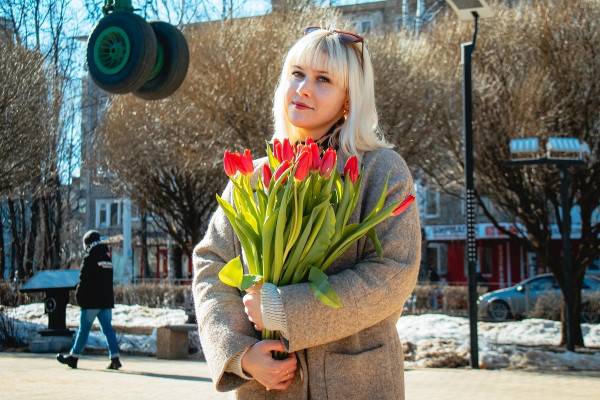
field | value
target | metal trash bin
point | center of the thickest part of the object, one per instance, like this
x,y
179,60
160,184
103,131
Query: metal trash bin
x,y
56,284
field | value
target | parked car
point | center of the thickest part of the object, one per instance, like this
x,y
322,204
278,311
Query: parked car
x,y
594,269
516,301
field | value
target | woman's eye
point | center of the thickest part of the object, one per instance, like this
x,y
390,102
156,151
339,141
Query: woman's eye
x,y
298,74
323,79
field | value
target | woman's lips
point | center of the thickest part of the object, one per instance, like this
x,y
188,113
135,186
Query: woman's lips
x,y
300,106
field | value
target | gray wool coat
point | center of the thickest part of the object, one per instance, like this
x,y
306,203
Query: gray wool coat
x,y
349,353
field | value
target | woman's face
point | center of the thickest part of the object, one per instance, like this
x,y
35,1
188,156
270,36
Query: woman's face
x,y
314,101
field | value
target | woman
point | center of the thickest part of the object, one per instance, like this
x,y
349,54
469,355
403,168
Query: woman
x,y
326,93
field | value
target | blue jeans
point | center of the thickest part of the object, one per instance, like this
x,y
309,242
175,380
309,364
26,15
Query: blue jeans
x,y
86,319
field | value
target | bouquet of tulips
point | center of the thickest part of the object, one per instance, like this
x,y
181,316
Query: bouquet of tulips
x,y
292,223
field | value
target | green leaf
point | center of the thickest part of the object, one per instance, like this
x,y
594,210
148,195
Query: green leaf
x,y
373,236
315,254
292,262
232,273
273,162
319,285
249,280
267,246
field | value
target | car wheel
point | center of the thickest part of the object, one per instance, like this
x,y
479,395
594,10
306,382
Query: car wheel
x,y
499,311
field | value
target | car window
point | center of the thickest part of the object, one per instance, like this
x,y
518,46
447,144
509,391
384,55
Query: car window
x,y
546,283
590,283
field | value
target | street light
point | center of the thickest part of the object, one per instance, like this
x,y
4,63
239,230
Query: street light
x,y
562,152
470,10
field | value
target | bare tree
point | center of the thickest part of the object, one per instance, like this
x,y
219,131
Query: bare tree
x,y
167,154
40,25
535,72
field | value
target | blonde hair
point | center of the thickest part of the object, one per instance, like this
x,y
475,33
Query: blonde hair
x,y
323,49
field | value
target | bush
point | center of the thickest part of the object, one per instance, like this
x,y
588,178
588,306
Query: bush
x,y
154,295
145,294
549,306
9,331
452,300
11,297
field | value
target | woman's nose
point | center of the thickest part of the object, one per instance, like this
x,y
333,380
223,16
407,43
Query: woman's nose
x,y
304,88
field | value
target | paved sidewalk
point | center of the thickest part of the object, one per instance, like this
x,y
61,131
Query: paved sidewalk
x,y
39,376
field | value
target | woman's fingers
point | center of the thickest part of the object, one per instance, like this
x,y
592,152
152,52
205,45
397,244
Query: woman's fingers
x,y
282,385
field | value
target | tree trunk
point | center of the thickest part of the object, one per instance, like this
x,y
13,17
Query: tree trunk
x,y
575,315
57,226
17,243
2,266
144,240
47,254
32,237
175,253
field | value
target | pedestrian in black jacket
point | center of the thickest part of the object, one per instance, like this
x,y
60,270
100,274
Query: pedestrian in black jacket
x,y
95,296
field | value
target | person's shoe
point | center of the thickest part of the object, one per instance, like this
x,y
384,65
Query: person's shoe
x,y
70,360
114,363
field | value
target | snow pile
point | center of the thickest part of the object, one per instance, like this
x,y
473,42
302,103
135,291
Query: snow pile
x,y
122,315
433,340
29,319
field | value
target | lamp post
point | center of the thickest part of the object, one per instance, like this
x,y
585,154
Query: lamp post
x,y
470,10
562,152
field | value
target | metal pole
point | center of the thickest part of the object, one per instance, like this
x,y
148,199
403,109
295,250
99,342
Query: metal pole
x,y
466,56
566,239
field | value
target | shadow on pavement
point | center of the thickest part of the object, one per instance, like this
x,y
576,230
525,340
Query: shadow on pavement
x,y
154,375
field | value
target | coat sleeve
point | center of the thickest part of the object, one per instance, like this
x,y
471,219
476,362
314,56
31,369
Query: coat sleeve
x,y
224,328
83,287
372,289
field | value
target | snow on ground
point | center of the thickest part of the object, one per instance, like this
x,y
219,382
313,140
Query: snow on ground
x,y
430,340
31,318
434,340
122,315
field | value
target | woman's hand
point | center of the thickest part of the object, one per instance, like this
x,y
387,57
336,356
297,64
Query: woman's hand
x,y
252,306
272,374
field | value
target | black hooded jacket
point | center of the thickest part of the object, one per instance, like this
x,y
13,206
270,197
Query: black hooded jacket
x,y
95,289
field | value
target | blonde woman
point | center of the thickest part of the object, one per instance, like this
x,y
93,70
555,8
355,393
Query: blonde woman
x,y
325,92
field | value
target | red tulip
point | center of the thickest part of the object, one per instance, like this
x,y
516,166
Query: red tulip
x,y
287,150
278,150
266,175
246,165
404,205
309,141
282,168
327,163
303,165
231,163
351,169
315,156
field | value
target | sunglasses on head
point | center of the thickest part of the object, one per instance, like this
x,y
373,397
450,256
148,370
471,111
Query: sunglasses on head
x,y
345,37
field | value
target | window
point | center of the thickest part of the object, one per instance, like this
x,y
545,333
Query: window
x,y
432,203
487,202
437,258
103,221
541,284
81,205
114,214
364,26
486,259
108,213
